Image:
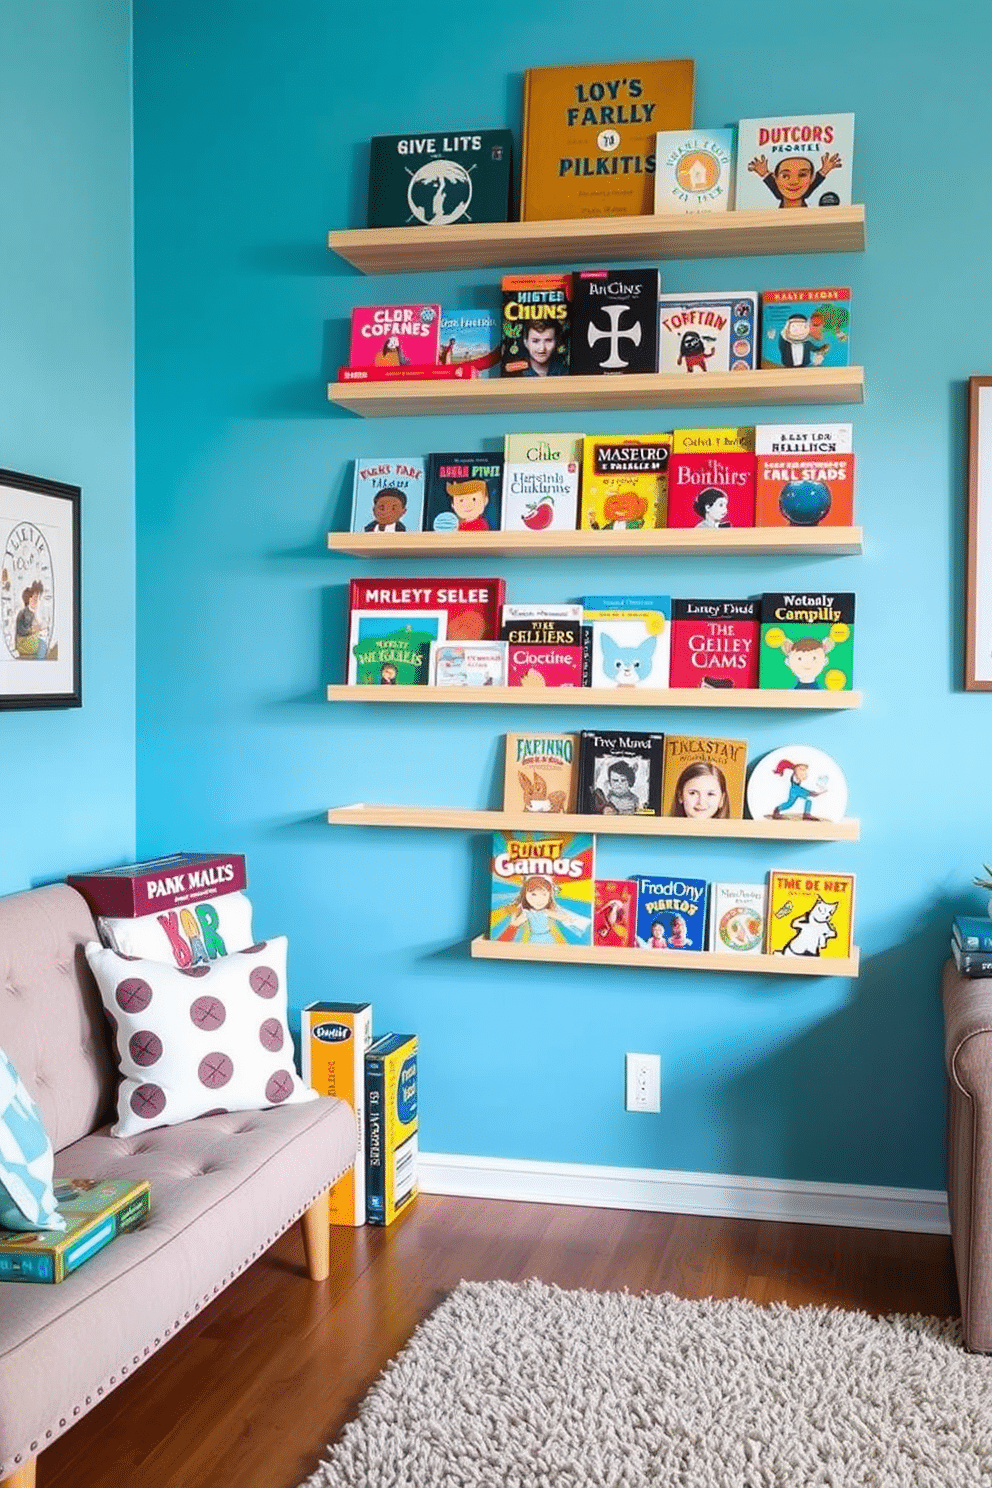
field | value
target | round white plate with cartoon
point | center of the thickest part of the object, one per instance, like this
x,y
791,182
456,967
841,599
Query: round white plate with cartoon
x,y
795,783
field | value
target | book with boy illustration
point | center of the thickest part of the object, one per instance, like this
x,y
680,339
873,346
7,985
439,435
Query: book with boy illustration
x,y
809,327
471,606
797,782
810,914
540,773
671,913
631,639
614,912
541,482
737,915
804,475
703,778
614,321
715,642
392,648
620,773
536,334
708,332
464,492
694,170
388,494
468,664
794,161
711,488
807,641
589,135
470,339
542,888
394,335
435,180
625,481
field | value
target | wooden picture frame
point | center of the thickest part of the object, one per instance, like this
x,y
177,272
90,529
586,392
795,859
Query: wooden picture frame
x,y
40,663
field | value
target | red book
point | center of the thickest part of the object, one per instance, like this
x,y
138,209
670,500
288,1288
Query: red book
x,y
472,605
544,666
711,490
394,335
404,374
614,912
160,883
715,642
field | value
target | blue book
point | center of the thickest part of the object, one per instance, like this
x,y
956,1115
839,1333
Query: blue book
x,y
972,932
471,338
671,913
388,494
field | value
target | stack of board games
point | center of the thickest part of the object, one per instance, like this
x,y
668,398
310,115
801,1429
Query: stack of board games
x,y
540,773
625,481
807,641
464,492
805,475
334,1039
435,180
711,478
392,623
389,339
703,778
715,642
708,332
614,321
95,1211
536,325
620,773
542,888
694,170
810,914
541,482
809,327
971,945
388,494
631,638
392,1122
796,161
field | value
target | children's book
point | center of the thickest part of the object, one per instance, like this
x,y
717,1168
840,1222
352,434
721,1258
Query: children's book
x,y
428,373
694,170
671,913
737,916
541,482
795,161
536,333
804,475
95,1211
615,321
470,338
468,664
516,614
810,914
544,666
625,481
589,135
434,180
472,606
391,1129
541,773
715,642
392,648
711,491
620,773
797,782
805,327
542,630
708,332
631,639
614,912
710,441
464,492
703,779
394,335
807,641
542,887
388,494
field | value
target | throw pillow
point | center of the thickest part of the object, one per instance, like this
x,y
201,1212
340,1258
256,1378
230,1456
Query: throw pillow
x,y
201,1040
191,936
27,1200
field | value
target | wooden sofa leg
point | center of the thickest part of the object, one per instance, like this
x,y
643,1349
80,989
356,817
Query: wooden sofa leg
x,y
24,1477
316,1225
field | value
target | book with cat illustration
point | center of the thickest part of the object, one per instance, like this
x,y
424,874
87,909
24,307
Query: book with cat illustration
x,y
703,778
631,639
542,887
388,494
810,914
620,773
624,482
614,912
671,913
540,773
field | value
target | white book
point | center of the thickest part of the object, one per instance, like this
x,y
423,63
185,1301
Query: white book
x,y
541,482
738,913
708,331
630,653
516,614
803,439
794,160
694,170
468,664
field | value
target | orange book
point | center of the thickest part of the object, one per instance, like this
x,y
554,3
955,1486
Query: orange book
x,y
804,475
589,136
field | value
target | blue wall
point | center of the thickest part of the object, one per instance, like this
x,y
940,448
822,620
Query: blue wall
x,y
251,123
67,411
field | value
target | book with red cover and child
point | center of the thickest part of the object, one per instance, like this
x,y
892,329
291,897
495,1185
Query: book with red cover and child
x,y
472,605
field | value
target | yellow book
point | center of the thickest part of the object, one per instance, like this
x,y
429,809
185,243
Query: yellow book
x,y
333,1038
810,914
703,778
713,441
625,481
391,1131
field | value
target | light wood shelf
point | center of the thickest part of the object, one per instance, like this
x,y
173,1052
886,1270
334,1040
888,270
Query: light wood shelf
x,y
601,697
493,245
502,950
557,395
362,815
690,541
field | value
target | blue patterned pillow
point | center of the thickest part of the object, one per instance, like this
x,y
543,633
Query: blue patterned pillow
x,y
27,1201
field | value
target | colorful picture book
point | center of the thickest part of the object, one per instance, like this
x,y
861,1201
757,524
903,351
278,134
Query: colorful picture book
x,y
671,913
391,1130
703,778
805,327
434,180
810,914
542,888
715,642
711,488
392,648
468,664
589,136
541,773
620,773
464,492
694,170
615,912
615,321
541,630
388,494
737,918
544,666
797,782
470,339
95,1211
708,332
536,332
472,606
394,335
625,481
807,641
804,475
794,161
541,475
631,639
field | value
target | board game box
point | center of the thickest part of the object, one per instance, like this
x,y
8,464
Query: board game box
x,y
95,1211
333,1039
542,887
472,605
160,883
434,180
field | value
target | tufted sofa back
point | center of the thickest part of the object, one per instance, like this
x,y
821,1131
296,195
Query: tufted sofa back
x,y
52,1023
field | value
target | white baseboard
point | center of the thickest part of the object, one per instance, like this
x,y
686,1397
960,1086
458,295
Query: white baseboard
x,y
671,1192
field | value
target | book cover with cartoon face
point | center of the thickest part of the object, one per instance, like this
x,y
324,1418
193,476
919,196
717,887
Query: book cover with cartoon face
x,y
810,915
794,162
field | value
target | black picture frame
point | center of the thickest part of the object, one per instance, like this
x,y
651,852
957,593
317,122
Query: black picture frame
x,y
40,598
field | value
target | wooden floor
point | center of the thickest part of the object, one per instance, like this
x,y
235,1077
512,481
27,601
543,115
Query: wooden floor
x,y
250,1393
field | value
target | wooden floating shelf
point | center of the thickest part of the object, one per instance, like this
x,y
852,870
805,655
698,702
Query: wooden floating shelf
x,y
493,245
690,541
502,950
600,697
361,815
557,395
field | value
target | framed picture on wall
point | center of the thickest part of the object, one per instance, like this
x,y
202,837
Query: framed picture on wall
x,y
39,593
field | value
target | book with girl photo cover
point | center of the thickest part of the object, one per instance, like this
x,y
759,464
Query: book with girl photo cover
x,y
542,888
620,773
703,779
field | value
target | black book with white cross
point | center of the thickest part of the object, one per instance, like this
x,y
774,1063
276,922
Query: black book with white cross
x,y
615,321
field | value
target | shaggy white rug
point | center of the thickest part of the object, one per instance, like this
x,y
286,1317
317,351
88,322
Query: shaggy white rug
x,y
528,1386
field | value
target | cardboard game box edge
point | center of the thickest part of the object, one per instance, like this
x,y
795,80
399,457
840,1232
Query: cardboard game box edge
x,y
347,1199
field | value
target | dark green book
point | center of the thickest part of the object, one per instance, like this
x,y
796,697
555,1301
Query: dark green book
x,y
434,180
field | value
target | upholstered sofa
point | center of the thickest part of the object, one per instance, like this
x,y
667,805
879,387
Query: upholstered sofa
x,y
968,1055
224,1187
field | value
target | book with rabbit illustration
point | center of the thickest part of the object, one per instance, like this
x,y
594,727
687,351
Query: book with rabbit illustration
x,y
631,639
541,773
620,773
542,887
810,914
